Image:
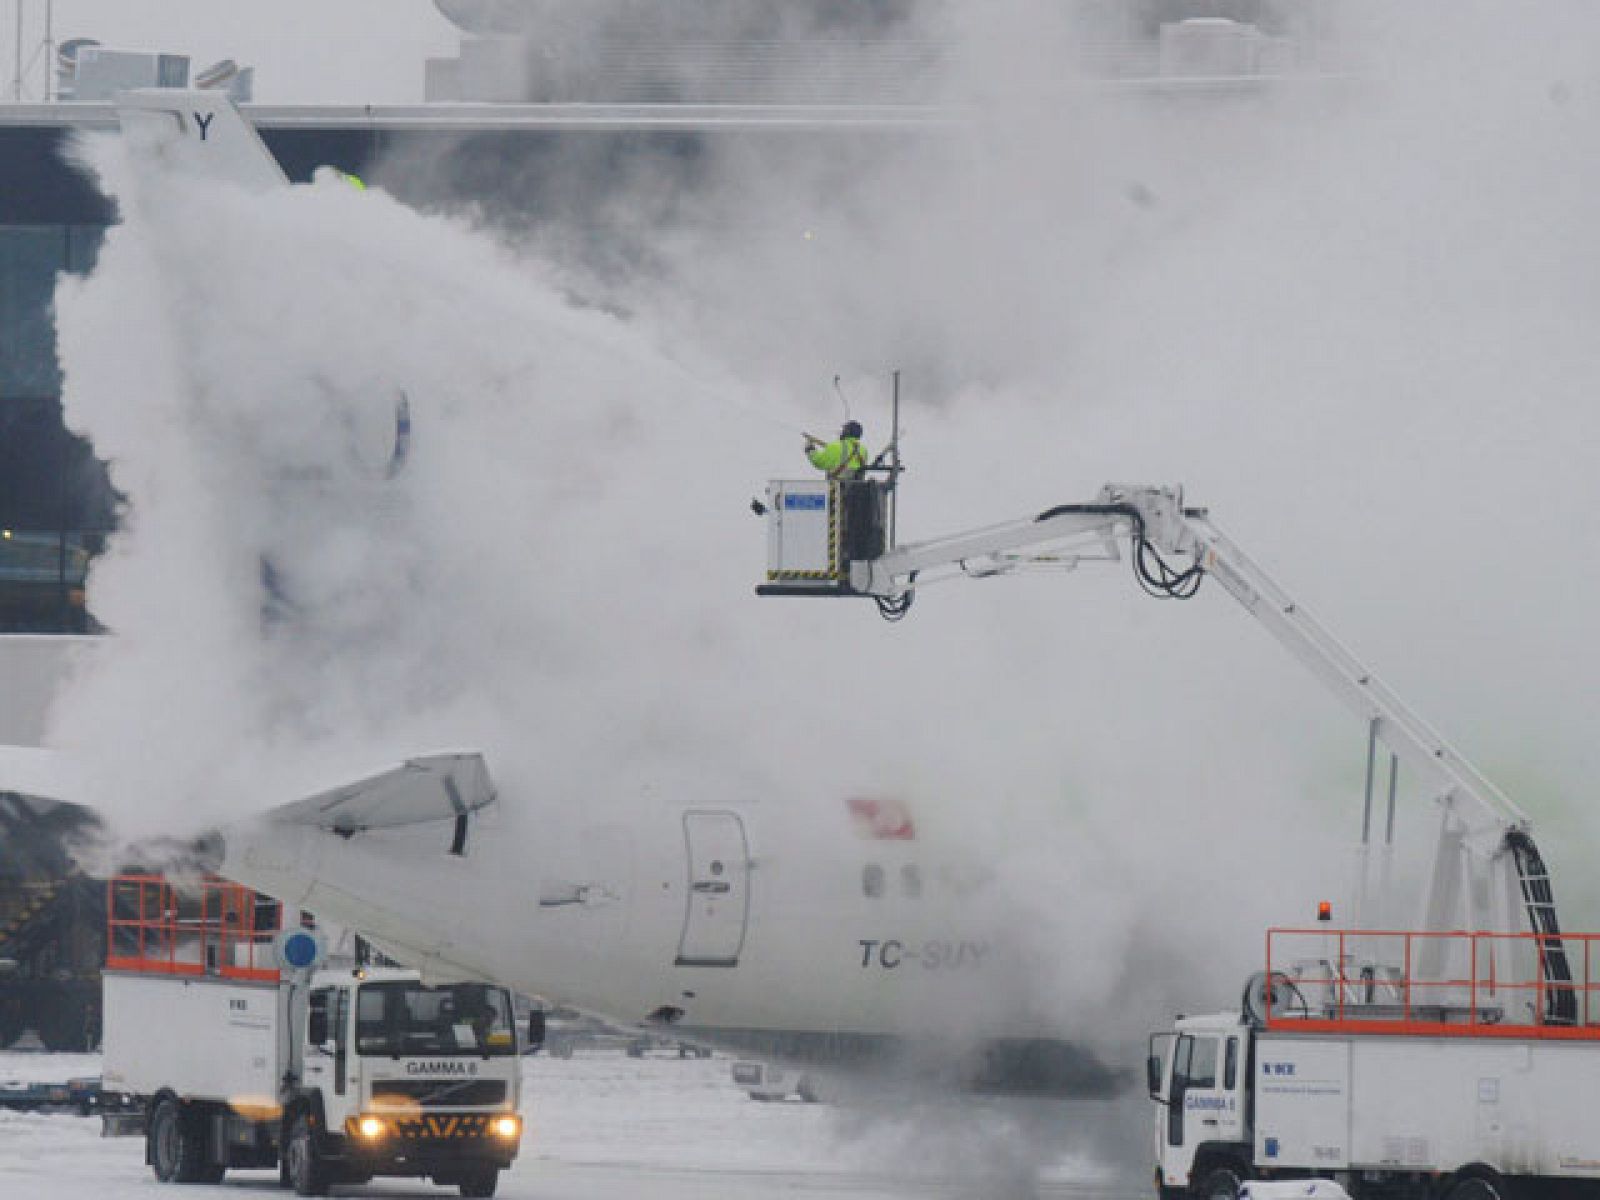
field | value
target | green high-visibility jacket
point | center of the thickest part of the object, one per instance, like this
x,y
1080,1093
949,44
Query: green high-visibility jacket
x,y
842,459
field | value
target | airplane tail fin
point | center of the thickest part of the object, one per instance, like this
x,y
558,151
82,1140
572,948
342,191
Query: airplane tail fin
x,y
446,786
431,787
198,131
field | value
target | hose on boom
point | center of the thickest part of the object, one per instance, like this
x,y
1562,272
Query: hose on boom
x,y
1156,576
895,608
1538,897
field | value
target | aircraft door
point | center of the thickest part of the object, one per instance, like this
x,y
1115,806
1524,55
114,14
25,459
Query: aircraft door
x,y
718,902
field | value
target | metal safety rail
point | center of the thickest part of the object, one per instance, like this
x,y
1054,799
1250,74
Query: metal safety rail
x,y
1434,984
207,928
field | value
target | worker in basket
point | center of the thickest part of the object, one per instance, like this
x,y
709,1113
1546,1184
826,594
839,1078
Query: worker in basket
x,y
860,515
844,458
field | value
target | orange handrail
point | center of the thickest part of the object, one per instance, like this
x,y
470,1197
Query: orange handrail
x,y
211,927
1506,990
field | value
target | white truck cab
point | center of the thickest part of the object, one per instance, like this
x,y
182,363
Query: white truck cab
x,y
1198,1076
402,1078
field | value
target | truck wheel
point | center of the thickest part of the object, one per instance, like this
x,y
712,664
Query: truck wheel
x,y
161,1141
481,1183
308,1173
1478,1187
175,1144
1223,1183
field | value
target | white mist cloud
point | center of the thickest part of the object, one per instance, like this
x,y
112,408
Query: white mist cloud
x,y
1355,317
1352,315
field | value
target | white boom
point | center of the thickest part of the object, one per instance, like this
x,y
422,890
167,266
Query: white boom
x,y
1484,851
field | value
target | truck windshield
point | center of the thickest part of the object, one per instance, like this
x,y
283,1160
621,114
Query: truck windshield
x,y
402,1018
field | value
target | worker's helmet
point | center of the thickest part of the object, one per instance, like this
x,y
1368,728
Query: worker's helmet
x,y
852,429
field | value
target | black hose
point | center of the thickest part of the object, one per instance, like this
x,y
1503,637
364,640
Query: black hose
x,y
895,608
1538,897
1156,576
1159,578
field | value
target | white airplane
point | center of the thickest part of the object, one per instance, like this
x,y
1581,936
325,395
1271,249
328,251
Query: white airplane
x,y
752,929
855,940
855,943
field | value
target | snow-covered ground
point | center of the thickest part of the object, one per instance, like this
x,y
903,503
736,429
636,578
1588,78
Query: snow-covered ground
x,y
609,1127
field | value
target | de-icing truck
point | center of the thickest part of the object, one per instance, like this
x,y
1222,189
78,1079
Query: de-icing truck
x,y
1476,1078
247,1057
1458,1061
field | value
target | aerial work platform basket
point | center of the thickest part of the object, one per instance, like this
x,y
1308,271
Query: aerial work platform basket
x,y
816,528
211,927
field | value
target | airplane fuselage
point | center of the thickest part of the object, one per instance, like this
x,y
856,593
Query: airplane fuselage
x,y
802,935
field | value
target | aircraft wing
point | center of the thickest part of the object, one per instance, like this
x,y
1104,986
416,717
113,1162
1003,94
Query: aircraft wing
x,y
431,787
201,131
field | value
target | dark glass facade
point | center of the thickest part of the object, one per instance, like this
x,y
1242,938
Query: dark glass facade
x,y
56,504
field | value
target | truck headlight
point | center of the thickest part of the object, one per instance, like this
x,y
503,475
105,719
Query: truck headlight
x,y
506,1127
370,1127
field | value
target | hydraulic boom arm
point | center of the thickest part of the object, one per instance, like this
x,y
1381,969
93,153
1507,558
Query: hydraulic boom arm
x,y
1485,851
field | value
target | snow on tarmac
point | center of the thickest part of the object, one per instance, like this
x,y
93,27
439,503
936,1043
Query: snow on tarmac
x,y
600,1127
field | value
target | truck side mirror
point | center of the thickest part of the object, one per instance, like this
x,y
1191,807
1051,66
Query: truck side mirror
x,y
1152,1073
317,1027
535,1029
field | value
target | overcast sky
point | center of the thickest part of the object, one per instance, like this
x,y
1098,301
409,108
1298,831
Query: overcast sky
x,y
304,51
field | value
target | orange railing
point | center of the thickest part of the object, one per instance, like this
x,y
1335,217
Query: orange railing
x,y
1475,984
208,928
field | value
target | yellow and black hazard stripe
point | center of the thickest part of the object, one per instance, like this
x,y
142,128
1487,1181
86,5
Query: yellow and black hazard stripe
x,y
443,1126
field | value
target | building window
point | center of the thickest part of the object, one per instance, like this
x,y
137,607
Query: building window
x,y
56,501
30,258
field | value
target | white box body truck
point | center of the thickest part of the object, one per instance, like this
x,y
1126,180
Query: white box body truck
x,y
335,1076
1471,1082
